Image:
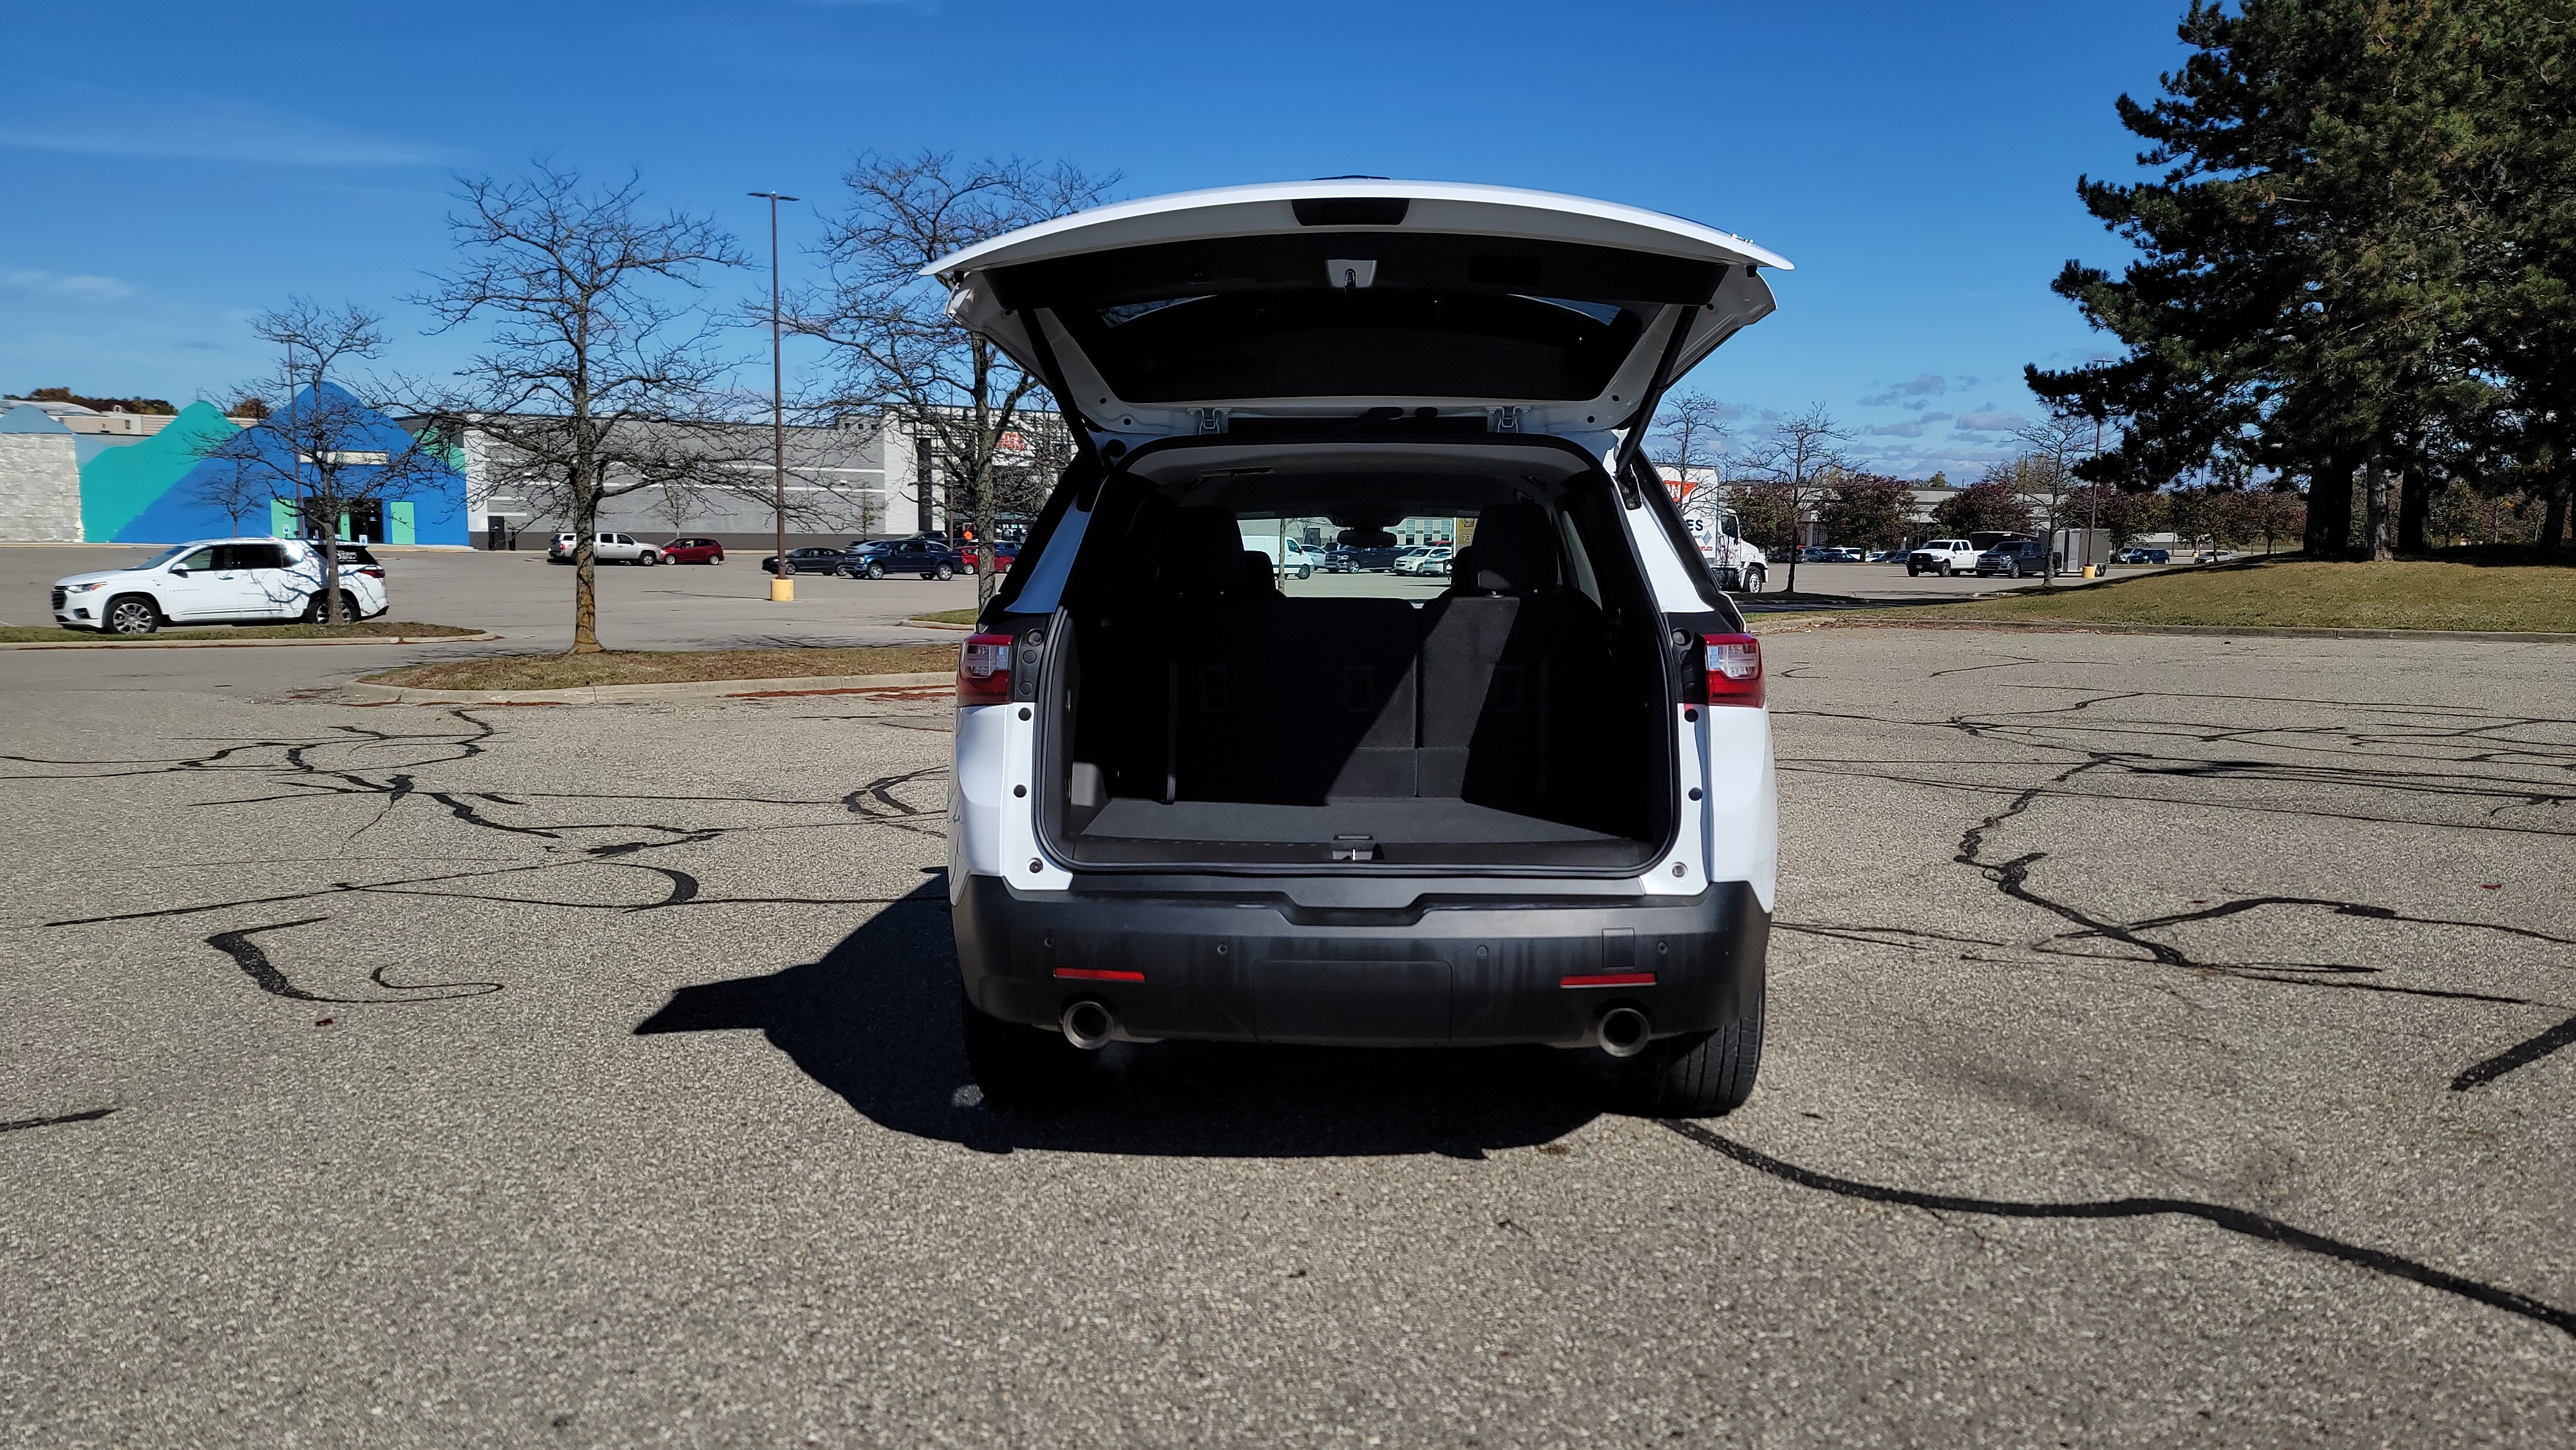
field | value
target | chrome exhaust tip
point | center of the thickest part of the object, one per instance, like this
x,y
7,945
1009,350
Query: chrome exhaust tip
x,y
1088,1025
1624,1032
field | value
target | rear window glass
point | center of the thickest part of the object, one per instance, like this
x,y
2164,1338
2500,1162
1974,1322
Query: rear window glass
x,y
1379,341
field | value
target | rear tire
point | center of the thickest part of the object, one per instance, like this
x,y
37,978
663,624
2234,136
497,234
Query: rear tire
x,y
130,614
1701,1076
1020,1066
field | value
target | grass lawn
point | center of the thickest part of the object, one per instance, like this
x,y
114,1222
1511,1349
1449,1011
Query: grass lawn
x,y
2300,593
370,629
658,667
948,616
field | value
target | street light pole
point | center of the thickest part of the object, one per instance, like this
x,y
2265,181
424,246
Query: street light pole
x,y
782,586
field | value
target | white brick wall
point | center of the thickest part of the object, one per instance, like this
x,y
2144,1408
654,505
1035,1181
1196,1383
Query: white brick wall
x,y
39,488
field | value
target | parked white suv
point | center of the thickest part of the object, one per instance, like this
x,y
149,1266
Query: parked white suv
x,y
1538,808
216,581
606,548
1944,557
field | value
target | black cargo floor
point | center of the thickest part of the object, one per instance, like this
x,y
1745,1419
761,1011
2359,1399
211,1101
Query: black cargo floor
x,y
1390,821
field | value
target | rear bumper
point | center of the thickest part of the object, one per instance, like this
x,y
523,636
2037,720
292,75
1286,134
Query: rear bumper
x,y
1252,966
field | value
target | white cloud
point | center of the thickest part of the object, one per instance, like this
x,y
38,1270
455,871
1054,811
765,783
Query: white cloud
x,y
35,282
213,129
1991,422
1911,428
1927,385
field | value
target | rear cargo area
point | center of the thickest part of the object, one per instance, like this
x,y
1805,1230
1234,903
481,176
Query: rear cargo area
x,y
1511,714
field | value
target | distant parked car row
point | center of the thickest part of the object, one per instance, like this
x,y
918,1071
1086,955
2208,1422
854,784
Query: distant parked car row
x,y
931,556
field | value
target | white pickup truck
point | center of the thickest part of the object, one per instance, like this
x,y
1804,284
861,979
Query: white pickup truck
x,y
1943,556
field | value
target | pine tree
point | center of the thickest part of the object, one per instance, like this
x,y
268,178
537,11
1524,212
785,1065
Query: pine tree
x,y
2303,302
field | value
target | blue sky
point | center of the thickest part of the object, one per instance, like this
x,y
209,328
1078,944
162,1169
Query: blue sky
x,y
1916,161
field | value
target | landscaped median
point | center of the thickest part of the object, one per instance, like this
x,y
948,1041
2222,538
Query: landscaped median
x,y
2290,595
613,675
373,631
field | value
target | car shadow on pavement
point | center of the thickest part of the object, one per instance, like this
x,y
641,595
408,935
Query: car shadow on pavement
x,y
876,1022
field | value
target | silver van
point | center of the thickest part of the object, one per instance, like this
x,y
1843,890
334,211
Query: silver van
x,y
1526,799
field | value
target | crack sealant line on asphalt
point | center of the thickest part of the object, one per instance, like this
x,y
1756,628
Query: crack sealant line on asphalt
x,y
2012,878
2233,1220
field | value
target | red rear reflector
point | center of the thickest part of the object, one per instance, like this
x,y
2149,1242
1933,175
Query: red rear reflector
x,y
1091,974
1609,979
984,670
1734,669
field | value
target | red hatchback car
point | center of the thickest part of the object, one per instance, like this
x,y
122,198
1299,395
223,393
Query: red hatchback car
x,y
693,551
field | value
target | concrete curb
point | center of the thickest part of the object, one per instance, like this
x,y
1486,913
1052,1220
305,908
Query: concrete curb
x,y
2248,631
147,642
678,690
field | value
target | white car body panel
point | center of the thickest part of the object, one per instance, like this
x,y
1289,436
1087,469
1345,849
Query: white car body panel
x,y
977,786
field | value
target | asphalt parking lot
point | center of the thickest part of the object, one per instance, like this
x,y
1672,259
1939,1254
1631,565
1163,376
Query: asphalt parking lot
x,y
2165,1049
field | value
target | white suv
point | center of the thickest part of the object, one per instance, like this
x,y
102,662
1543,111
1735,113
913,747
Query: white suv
x,y
1537,808
216,581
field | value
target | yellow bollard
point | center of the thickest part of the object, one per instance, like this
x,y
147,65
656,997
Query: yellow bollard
x,y
782,590
2090,570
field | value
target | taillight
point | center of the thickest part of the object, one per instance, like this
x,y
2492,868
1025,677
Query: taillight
x,y
1734,669
373,573
984,670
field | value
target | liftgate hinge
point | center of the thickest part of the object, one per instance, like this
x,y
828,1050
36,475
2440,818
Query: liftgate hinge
x,y
1503,420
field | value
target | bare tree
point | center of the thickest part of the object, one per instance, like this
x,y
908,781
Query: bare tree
x,y
600,378
232,487
323,446
1690,438
2045,476
1801,458
896,349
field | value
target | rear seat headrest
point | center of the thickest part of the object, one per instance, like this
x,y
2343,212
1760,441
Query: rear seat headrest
x,y
1202,552
1515,549
1260,576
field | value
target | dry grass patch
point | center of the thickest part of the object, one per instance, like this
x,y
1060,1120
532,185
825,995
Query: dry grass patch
x,y
368,629
662,667
2300,594
948,616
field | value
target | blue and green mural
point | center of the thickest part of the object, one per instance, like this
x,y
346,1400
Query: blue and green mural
x,y
162,490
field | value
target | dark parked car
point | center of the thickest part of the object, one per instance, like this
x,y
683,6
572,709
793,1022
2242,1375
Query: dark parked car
x,y
2017,557
929,555
2146,556
693,551
806,561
